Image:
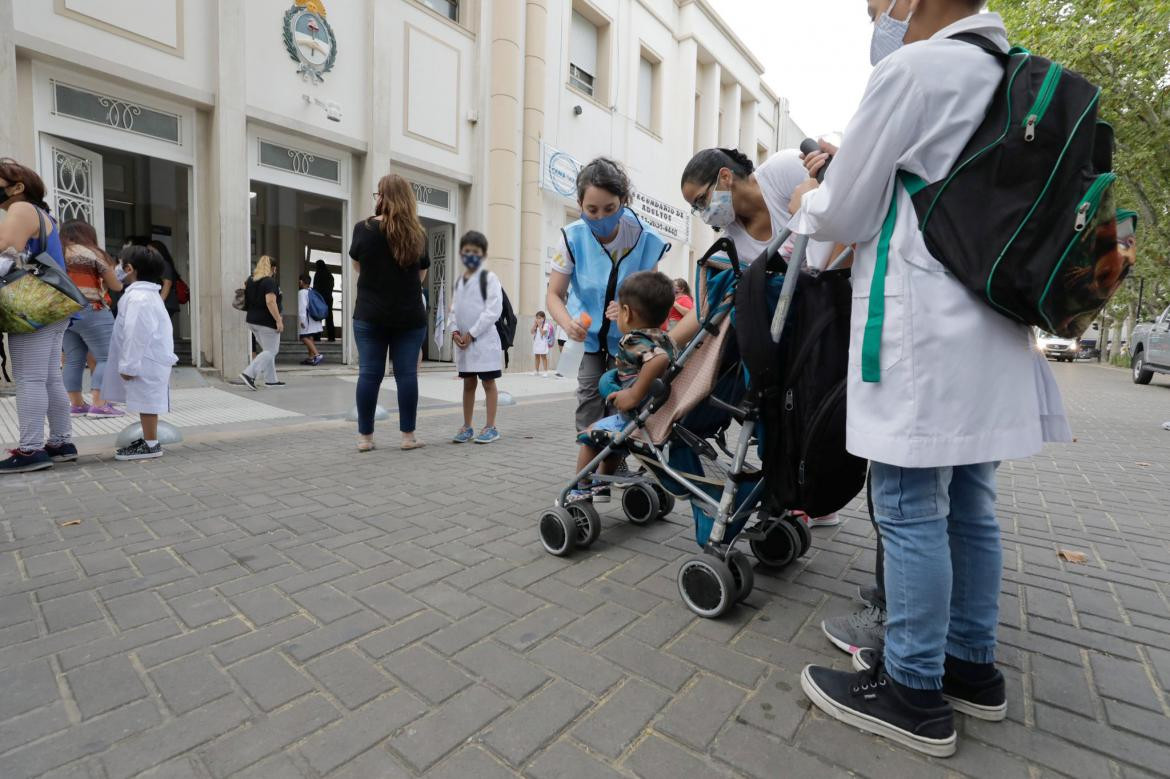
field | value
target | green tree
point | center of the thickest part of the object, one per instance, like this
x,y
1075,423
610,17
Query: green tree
x,y
1124,47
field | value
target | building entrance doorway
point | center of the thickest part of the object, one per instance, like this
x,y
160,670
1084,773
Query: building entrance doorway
x,y
128,198
297,230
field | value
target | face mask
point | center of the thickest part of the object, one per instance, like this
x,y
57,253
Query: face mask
x,y
718,213
604,227
120,273
472,261
889,35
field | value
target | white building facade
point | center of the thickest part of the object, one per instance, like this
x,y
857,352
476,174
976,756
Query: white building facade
x,y
230,129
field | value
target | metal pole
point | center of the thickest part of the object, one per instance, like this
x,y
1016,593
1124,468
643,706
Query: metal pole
x,y
1141,294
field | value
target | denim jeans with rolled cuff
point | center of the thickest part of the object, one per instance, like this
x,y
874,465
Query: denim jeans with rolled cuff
x,y
943,564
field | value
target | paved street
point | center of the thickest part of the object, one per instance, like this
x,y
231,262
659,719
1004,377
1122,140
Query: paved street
x,y
270,603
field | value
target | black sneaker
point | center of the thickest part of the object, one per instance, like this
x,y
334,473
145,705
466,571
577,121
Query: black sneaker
x,y
20,461
986,700
870,700
249,382
601,493
860,630
274,384
139,450
61,453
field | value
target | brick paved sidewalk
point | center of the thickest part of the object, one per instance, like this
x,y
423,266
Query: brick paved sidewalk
x,y
277,605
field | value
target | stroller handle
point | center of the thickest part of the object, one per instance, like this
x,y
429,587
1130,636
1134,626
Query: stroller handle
x,y
800,247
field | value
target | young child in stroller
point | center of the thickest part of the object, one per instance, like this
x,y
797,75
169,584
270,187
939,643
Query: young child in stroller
x,y
644,354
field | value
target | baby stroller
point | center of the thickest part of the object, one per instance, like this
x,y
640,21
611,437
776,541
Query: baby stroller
x,y
682,422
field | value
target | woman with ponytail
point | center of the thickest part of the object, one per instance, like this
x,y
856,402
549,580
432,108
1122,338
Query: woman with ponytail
x,y
389,254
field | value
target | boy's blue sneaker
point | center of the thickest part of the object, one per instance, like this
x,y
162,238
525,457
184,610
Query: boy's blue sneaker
x,y
464,435
580,494
23,462
488,435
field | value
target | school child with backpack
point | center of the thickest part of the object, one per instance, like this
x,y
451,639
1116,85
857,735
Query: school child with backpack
x,y
934,422
476,306
310,318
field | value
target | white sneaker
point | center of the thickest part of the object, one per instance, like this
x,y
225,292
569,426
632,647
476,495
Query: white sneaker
x,y
544,375
1166,425
829,520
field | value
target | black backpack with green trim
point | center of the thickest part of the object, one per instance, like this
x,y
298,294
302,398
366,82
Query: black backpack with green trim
x,y
1025,219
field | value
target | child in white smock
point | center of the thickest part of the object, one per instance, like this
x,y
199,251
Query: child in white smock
x,y
476,304
141,351
542,335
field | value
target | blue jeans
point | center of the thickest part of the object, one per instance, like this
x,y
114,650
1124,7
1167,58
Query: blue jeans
x,y
374,342
90,332
943,564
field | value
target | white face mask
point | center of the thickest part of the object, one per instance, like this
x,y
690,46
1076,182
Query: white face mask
x,y
719,212
889,35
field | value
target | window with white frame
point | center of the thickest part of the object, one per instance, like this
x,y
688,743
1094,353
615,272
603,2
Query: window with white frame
x,y
448,8
583,54
646,93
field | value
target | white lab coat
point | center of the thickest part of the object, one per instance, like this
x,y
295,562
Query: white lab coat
x,y
960,383
473,314
142,346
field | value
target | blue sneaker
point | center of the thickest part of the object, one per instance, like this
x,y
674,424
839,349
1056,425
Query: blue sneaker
x,y
464,435
61,453
580,495
21,461
488,435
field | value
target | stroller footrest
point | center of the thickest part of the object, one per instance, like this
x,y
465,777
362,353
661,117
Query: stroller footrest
x,y
693,441
754,534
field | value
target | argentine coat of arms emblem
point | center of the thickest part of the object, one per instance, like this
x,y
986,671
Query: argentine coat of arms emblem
x,y
310,40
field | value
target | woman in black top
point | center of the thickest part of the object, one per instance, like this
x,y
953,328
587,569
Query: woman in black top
x,y
323,283
389,253
262,305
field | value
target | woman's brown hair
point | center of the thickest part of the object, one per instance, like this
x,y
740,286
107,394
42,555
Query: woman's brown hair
x,y
400,223
78,232
34,188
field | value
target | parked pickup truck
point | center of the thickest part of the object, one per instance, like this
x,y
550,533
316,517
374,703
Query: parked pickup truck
x,y
1151,349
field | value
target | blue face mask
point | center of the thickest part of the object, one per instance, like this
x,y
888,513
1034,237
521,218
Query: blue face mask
x,y
472,261
889,35
604,227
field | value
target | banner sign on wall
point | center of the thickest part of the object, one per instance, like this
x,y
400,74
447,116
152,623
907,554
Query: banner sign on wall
x,y
558,174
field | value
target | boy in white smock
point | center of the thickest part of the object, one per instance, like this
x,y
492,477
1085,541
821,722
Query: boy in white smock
x,y
141,351
933,422
307,327
476,304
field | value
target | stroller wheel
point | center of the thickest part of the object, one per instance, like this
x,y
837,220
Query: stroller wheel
x,y
802,532
707,585
588,523
780,545
742,573
640,502
558,531
665,502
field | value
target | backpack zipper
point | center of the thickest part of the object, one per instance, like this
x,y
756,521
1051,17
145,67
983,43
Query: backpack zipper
x,y
1043,100
1093,200
822,411
1086,211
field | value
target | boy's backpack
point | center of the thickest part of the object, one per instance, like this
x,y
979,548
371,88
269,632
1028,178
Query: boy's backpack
x,y
801,384
506,324
317,308
1025,219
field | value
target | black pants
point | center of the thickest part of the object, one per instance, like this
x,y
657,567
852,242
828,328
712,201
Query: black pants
x,y
879,571
330,328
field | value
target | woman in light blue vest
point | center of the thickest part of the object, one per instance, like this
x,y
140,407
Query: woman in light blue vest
x,y
597,253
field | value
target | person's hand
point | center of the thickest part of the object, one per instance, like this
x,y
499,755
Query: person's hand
x,y
612,311
575,331
817,160
808,185
623,400
280,325
126,378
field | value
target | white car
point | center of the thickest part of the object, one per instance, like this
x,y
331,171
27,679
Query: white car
x,y
1054,347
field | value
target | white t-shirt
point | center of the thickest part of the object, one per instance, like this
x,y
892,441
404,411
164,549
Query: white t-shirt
x,y
778,177
629,231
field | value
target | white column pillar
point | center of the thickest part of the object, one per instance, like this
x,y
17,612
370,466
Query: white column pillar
x,y
9,119
729,104
749,111
708,119
230,186
505,139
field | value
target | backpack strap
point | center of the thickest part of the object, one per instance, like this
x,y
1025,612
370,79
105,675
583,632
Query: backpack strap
x,y
483,285
981,42
871,344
